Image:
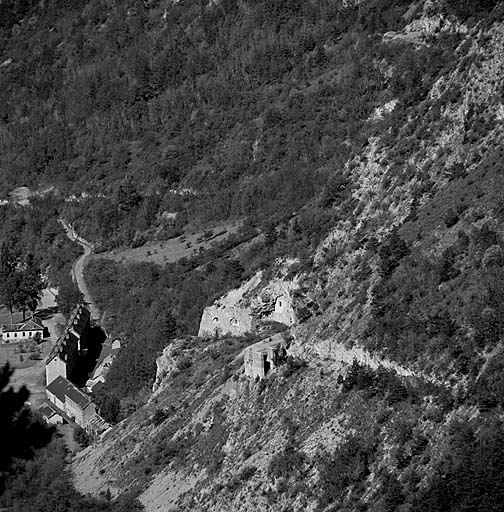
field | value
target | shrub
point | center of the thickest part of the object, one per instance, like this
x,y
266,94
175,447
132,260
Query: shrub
x,y
247,473
184,363
381,382
288,463
233,484
81,437
293,365
451,218
343,472
392,251
493,256
159,416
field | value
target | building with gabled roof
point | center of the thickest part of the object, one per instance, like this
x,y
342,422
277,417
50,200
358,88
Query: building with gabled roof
x,y
51,414
70,346
29,329
71,400
63,357
78,325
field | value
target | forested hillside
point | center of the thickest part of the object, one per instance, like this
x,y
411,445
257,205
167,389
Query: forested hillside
x,y
359,145
35,252
226,109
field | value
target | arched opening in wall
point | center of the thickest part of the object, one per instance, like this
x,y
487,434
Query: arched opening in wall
x,y
215,320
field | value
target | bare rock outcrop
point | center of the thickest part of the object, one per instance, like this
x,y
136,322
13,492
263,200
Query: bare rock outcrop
x,y
166,364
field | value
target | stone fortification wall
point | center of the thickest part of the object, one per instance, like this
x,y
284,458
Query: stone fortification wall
x,y
231,314
242,309
275,302
223,319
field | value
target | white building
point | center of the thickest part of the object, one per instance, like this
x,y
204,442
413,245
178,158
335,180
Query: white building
x,y
23,331
71,400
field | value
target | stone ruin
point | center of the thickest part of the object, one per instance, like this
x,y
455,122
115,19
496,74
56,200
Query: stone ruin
x,y
263,357
241,310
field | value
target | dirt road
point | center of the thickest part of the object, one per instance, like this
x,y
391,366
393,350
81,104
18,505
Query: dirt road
x,y
78,267
32,374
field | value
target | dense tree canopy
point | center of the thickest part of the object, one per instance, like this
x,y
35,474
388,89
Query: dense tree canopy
x,y
22,433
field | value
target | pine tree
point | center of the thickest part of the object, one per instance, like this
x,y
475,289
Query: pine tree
x,y
8,277
29,286
170,328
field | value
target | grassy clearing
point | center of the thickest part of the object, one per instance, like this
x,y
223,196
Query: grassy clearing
x,y
169,251
5,318
19,355
30,370
16,354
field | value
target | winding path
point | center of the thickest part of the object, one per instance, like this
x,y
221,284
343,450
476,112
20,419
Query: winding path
x,y
78,266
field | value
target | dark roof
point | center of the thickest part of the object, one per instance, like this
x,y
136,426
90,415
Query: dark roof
x,y
62,389
31,324
67,343
48,410
98,386
79,319
55,411
64,347
271,342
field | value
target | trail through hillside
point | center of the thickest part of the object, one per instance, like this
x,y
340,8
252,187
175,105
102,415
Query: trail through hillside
x,y
78,266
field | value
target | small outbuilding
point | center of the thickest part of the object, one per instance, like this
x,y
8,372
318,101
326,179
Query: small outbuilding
x,y
51,414
262,357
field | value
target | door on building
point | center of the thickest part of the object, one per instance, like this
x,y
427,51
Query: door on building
x,y
266,364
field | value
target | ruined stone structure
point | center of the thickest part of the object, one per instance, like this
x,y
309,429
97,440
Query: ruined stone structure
x,y
232,313
70,346
220,319
261,358
275,303
243,309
